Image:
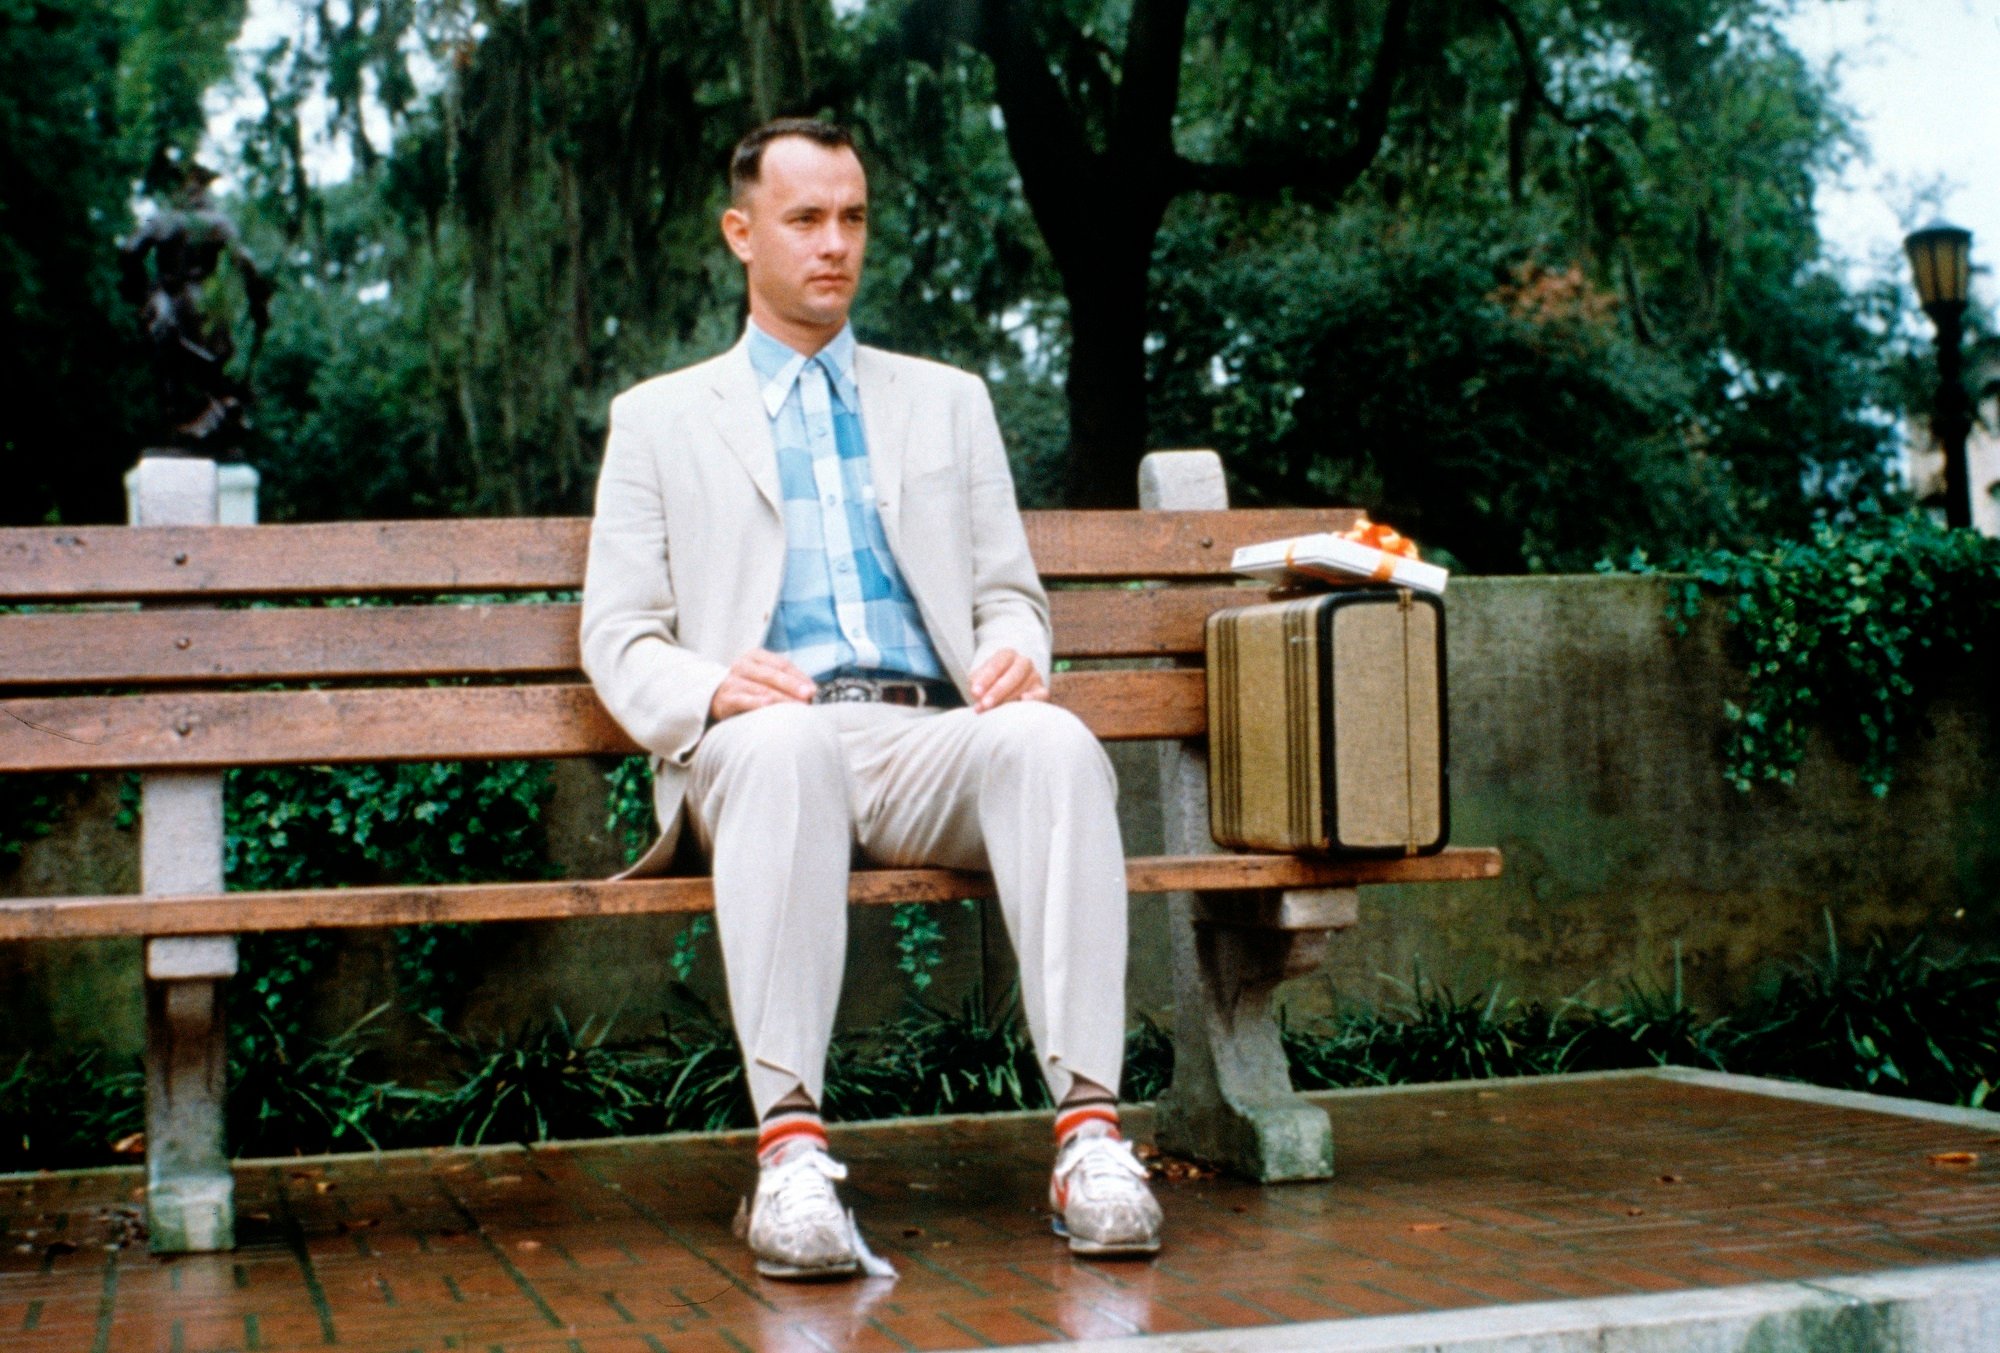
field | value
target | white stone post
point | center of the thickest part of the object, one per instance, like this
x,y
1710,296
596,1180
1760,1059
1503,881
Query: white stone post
x,y
190,1194
1231,1100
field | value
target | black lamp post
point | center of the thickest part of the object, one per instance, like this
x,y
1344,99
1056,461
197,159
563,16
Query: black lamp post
x,y
1941,257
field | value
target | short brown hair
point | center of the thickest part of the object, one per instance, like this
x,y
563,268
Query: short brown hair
x,y
746,162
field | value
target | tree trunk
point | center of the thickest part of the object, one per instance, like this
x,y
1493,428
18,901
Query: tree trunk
x,y
1106,390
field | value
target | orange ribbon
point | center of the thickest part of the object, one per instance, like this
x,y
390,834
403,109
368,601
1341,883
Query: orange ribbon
x,y
1391,544
1377,535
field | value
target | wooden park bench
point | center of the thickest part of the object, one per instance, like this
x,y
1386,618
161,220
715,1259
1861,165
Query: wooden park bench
x,y
134,653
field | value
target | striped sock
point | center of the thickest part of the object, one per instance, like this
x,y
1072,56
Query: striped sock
x,y
1086,1118
786,1128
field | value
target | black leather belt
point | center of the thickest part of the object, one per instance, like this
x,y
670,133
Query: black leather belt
x,y
912,691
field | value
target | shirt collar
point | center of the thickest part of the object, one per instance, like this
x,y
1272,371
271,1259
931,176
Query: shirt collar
x,y
778,366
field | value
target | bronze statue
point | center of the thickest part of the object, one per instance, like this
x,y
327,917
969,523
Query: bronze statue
x,y
205,407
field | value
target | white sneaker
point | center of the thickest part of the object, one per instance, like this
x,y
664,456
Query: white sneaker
x,y
1101,1200
798,1229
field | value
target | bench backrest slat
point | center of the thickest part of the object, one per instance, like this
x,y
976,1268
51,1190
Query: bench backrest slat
x,y
193,730
160,607
103,563
322,643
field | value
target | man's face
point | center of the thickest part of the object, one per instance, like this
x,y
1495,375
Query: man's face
x,y
800,232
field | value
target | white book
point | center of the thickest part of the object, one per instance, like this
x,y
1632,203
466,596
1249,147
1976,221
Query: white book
x,y
1335,559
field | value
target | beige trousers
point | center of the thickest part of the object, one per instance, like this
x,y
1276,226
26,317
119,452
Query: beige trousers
x,y
783,796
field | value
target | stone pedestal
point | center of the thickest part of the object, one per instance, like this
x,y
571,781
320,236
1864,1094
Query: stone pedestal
x,y
190,1195
1231,1101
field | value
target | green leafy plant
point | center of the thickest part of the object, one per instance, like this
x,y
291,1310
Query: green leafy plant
x,y
1892,1020
424,822
629,815
62,1111
543,1081
30,808
919,943
291,1095
1853,630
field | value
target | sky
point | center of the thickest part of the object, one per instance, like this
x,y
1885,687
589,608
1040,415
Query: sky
x,y
1921,77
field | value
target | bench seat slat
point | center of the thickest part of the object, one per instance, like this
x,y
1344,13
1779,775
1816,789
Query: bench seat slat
x,y
99,563
52,918
198,730
330,643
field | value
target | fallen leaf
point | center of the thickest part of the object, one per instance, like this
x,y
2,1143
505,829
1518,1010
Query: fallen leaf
x,y
1496,1118
911,1232
499,1179
1670,1179
324,1186
132,1144
1238,1208
1955,1159
1635,1211
527,1244
1430,1226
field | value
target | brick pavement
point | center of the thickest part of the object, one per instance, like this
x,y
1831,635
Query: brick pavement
x,y
1448,1197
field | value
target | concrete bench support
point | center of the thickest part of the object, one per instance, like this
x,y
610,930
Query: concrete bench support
x,y
1231,1101
190,1195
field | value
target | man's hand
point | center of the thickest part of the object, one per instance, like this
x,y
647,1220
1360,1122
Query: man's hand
x,y
757,679
1003,677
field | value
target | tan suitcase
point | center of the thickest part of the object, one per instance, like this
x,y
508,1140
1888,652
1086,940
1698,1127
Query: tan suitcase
x,y
1326,724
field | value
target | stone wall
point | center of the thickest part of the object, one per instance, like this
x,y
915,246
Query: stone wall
x,y
1585,743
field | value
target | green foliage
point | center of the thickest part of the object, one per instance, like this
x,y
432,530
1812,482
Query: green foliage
x,y
976,1059
629,815
426,822
291,1095
1855,630
57,1112
91,93
919,943
1894,1021
328,826
30,808
543,1082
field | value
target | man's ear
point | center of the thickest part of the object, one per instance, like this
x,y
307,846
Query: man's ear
x,y
736,232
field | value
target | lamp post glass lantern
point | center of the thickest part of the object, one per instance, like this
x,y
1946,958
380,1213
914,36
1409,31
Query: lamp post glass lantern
x,y
1941,258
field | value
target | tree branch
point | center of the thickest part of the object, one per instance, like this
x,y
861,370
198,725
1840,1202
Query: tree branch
x,y
1535,97
1324,178
1149,84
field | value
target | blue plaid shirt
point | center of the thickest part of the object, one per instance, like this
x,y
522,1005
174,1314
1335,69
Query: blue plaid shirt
x,y
844,605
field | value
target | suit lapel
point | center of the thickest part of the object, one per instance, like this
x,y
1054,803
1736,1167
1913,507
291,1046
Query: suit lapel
x,y
742,424
885,419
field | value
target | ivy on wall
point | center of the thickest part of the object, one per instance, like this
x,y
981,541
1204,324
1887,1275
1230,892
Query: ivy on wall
x,y
1853,630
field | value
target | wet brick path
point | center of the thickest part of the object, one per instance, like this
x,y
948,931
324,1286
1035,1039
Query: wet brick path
x,y
1447,1197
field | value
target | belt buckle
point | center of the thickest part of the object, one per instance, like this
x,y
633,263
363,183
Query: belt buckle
x,y
847,690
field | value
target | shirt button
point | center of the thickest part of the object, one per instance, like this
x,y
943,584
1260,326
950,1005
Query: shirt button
x,y
833,500
845,566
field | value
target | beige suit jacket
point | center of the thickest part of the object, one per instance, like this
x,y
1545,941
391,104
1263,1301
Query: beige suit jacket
x,y
687,546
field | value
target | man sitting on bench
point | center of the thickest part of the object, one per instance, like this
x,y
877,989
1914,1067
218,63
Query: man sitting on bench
x,y
809,596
